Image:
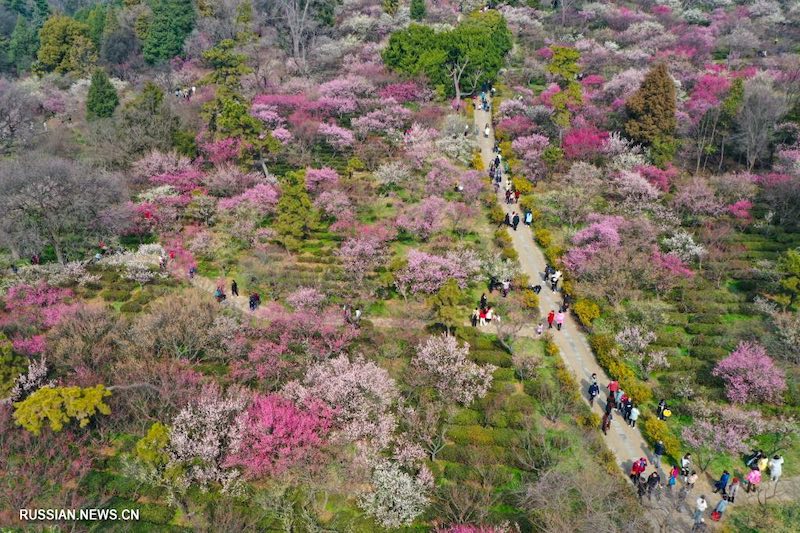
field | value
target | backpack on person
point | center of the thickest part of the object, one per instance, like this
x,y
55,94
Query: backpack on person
x,y
715,516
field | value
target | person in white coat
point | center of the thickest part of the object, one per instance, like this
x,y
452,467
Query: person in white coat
x,y
775,468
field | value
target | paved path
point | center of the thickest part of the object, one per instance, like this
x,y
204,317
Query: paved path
x,y
626,442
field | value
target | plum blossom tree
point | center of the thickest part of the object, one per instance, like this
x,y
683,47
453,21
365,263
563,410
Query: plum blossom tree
x,y
584,142
395,497
447,365
204,434
530,149
361,256
338,137
424,219
318,179
718,430
427,273
750,375
306,300
361,394
278,434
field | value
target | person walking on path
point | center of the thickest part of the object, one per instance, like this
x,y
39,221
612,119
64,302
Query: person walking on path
x,y
484,301
633,416
700,508
719,509
234,288
559,320
775,468
686,464
733,489
613,386
515,221
722,483
691,480
673,477
653,482
539,329
753,479
505,286
255,301
550,317
474,317
594,390
658,451
606,422
486,130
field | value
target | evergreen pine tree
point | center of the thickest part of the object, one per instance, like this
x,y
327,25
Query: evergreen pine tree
x,y
651,109
102,99
418,9
23,45
445,305
172,22
296,215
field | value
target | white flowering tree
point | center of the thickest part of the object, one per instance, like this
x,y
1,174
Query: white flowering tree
x,y
395,498
446,364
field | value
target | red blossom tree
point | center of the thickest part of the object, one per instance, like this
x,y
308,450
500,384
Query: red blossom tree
x,y
278,434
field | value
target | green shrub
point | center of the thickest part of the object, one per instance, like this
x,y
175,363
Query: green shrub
x,y
553,255
510,253
496,215
586,311
551,348
466,417
504,374
502,238
131,307
522,185
588,420
543,237
494,357
654,430
638,391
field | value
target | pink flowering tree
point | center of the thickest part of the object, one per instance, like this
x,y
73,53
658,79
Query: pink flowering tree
x,y
721,430
696,199
529,150
446,364
227,180
183,181
306,300
220,150
278,434
30,309
660,178
750,375
361,395
155,163
740,210
419,144
337,137
362,255
601,234
427,273
668,269
401,92
425,218
319,179
262,197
